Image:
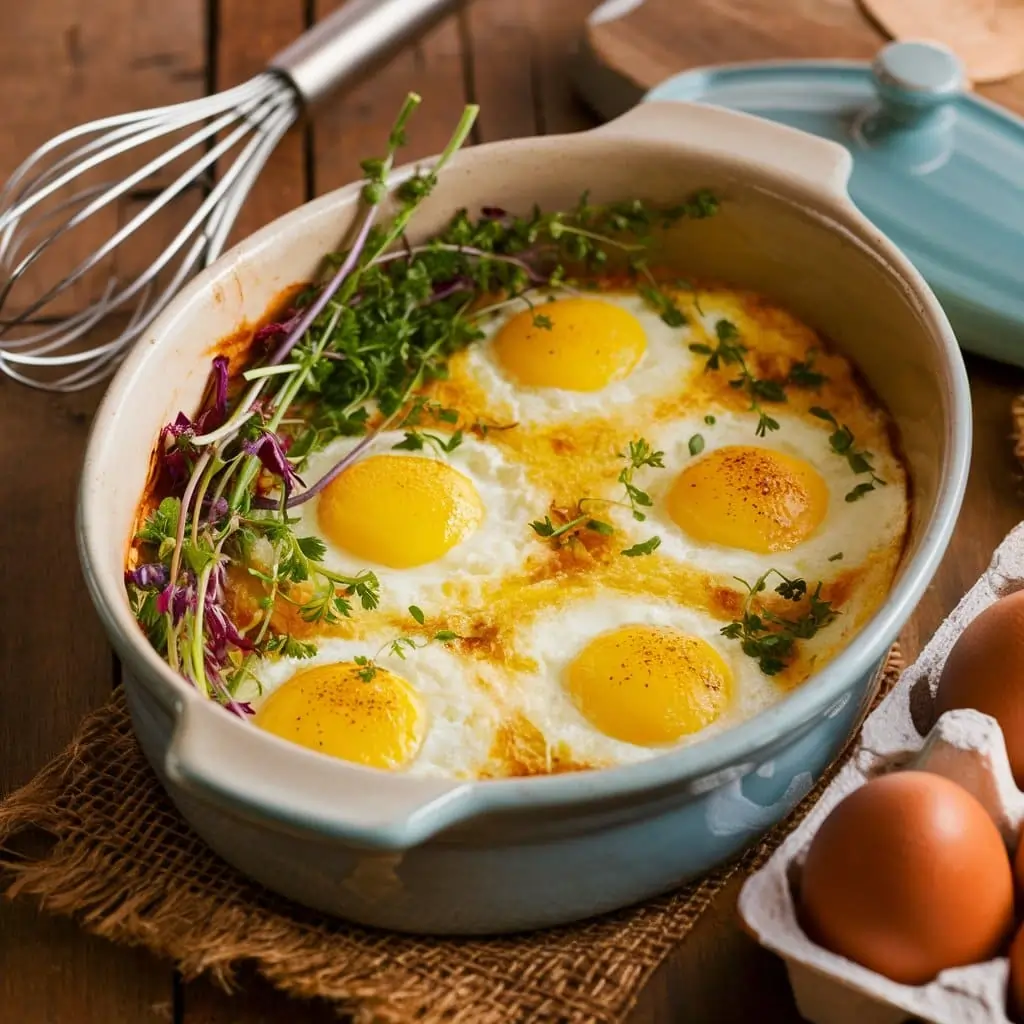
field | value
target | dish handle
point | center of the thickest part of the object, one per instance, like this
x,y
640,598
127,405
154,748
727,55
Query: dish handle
x,y
212,757
817,163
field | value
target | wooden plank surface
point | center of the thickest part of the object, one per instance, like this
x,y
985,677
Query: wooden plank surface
x,y
658,38
61,63
66,60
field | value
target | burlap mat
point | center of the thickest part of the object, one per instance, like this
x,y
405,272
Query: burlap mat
x,y
123,863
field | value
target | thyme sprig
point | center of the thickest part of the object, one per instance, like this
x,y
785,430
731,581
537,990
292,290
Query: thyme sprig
x,y
570,525
842,443
770,638
730,351
638,455
401,646
350,357
802,373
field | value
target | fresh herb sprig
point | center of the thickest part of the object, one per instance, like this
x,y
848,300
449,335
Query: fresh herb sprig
x,y
219,462
351,357
638,455
802,374
769,638
842,443
401,646
730,351
563,532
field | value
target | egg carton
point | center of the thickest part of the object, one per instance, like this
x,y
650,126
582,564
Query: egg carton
x,y
962,745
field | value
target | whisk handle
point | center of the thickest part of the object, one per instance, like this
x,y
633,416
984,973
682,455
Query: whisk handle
x,y
351,41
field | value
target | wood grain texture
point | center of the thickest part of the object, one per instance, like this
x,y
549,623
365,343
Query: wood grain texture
x,y
355,125
720,973
238,56
65,62
62,62
513,59
663,37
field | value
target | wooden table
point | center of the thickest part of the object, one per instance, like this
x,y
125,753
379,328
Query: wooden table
x,y
65,61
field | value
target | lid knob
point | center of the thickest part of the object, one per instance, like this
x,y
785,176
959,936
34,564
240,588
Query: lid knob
x,y
914,80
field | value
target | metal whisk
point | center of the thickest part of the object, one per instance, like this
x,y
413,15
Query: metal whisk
x,y
228,138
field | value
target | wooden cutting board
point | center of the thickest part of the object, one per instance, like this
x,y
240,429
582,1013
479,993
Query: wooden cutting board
x,y
630,46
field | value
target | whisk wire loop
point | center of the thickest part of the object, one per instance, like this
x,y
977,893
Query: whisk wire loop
x,y
53,193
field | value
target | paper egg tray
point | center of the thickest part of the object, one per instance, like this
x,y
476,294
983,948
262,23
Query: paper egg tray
x,y
965,746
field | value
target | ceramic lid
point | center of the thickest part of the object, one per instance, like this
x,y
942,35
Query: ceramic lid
x,y
939,170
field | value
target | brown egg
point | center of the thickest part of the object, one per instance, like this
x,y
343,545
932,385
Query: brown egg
x,y
907,876
1016,994
985,671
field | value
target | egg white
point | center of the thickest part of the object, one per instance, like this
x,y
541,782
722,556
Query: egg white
x,y
509,502
841,532
555,641
459,716
658,371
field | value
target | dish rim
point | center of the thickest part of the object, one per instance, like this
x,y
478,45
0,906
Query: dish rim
x,y
727,754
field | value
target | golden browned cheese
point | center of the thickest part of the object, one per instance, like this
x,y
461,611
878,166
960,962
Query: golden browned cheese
x,y
985,671
724,483
520,749
908,876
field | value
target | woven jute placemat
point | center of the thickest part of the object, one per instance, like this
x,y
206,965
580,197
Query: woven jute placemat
x,y
120,860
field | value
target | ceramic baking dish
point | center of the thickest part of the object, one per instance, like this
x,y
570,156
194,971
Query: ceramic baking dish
x,y
432,855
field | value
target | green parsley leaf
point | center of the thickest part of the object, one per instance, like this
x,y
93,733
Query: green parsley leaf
x,y
730,351
544,528
287,646
803,375
837,557
770,639
542,321
663,305
859,491
313,548
417,614
843,443
647,547
639,454
367,668
696,444
162,523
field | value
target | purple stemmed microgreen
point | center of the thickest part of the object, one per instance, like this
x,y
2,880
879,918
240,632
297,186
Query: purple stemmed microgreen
x,y
352,357
222,454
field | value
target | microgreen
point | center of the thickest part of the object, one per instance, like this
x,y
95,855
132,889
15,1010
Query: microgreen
x,y
664,305
769,638
561,532
730,351
416,440
639,454
647,547
696,444
803,375
842,442
709,420
402,646
351,357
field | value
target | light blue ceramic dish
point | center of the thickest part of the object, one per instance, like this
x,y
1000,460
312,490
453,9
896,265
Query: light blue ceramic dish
x,y
938,169
436,855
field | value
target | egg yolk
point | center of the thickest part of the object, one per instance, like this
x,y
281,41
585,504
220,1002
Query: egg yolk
x,y
752,498
336,711
584,345
649,685
399,511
